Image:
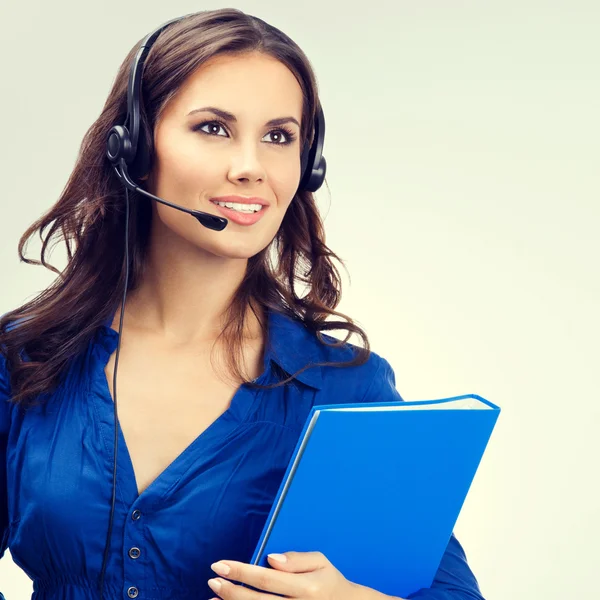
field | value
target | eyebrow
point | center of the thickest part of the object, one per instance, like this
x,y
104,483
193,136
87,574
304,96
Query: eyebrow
x,y
227,116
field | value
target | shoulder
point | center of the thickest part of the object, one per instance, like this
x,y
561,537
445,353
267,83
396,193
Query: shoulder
x,y
372,381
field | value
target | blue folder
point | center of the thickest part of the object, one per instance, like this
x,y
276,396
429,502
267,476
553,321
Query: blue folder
x,y
378,487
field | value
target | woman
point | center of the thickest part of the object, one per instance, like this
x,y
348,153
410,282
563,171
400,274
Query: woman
x,y
222,358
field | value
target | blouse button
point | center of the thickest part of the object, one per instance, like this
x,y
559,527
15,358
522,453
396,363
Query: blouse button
x,y
132,592
134,552
136,514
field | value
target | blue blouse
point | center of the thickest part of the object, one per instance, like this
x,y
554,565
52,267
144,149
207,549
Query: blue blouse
x,y
210,503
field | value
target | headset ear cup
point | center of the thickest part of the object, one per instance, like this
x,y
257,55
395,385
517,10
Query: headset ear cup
x,y
317,176
118,144
313,173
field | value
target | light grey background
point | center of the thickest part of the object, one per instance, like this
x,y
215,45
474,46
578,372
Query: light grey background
x,y
463,152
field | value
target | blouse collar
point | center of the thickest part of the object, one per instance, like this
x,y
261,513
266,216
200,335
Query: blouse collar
x,y
289,344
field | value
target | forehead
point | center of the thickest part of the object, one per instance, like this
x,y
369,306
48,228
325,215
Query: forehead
x,y
251,85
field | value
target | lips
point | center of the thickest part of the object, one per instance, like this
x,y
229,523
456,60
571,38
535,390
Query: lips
x,y
239,217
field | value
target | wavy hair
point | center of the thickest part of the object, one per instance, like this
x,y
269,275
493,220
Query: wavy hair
x,y
56,325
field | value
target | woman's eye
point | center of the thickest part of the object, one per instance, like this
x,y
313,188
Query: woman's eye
x,y
278,133
212,125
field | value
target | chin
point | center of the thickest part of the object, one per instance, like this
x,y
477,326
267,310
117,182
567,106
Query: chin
x,y
237,249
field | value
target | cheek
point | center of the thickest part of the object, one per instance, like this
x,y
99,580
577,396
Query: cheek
x,y
185,163
194,169
284,182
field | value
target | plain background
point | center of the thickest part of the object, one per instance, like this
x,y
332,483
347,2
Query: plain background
x,y
463,151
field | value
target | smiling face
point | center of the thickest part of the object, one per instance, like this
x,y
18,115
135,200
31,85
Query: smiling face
x,y
248,145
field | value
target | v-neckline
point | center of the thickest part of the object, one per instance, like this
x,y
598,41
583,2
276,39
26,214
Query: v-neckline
x,y
224,425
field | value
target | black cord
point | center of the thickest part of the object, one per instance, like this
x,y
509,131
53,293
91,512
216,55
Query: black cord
x,y
116,438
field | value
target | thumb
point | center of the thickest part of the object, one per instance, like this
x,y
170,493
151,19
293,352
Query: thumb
x,y
298,562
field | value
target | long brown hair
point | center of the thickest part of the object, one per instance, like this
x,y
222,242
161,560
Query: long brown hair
x,y
89,218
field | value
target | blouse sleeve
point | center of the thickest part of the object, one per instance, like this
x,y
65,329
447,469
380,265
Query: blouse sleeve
x,y
454,579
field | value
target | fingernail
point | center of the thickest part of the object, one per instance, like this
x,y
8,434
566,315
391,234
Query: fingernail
x,y
220,568
278,557
215,584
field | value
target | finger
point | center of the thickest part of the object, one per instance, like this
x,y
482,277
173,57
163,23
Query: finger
x,y
261,578
230,591
299,562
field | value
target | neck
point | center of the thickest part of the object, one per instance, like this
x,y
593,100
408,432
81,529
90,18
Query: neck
x,y
184,292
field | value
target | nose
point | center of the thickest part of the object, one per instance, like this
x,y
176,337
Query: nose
x,y
246,165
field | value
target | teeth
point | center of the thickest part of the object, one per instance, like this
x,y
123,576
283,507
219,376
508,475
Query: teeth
x,y
247,208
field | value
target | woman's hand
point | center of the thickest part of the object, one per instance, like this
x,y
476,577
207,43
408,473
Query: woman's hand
x,y
298,575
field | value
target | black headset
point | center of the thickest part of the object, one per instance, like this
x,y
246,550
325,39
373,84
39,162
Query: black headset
x,y
129,155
